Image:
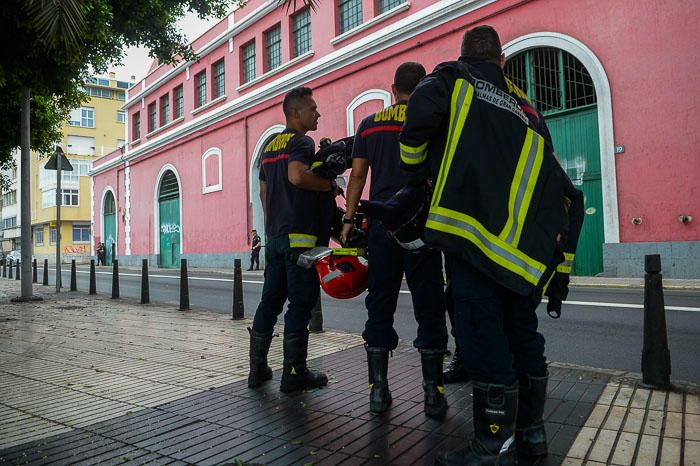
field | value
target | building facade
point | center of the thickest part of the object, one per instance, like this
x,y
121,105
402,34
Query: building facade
x,y
93,130
186,185
10,208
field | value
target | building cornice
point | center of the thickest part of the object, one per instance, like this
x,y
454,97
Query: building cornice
x,y
439,13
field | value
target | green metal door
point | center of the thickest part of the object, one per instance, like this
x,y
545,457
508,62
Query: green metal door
x,y
110,227
575,138
169,214
562,89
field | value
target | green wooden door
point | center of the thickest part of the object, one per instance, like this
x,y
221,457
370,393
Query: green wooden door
x,y
575,138
169,214
110,228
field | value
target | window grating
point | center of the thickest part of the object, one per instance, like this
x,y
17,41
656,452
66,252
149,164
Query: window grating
x,y
200,89
164,110
168,187
273,48
178,101
385,5
152,117
249,62
110,206
219,71
349,14
301,32
554,79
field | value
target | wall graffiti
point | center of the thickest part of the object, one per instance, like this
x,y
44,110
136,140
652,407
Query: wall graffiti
x,y
77,249
575,168
169,228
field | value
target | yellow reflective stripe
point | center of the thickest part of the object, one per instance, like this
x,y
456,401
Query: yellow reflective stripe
x,y
316,164
413,155
462,96
516,90
497,250
346,252
569,256
546,285
563,268
523,186
301,240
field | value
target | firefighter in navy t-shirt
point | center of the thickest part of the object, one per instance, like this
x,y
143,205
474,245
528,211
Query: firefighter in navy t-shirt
x,y
292,197
377,146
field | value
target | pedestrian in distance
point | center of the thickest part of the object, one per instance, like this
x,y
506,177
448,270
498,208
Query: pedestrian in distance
x,y
292,198
499,212
376,146
255,246
101,254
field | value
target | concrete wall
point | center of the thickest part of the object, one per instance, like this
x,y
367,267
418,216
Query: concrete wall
x,y
679,259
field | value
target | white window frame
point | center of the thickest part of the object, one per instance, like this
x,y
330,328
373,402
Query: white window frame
x,y
81,226
39,232
212,152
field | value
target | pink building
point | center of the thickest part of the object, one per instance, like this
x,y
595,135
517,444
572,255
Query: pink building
x,y
614,79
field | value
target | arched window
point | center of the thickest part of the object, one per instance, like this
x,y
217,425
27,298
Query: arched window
x,y
211,171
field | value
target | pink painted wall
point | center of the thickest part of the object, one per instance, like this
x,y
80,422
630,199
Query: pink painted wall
x,y
653,101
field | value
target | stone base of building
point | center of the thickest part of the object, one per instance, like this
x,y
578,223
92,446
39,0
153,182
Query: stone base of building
x,y
212,261
679,259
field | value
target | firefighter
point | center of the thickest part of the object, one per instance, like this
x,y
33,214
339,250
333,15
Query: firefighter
x,y
376,146
293,199
499,212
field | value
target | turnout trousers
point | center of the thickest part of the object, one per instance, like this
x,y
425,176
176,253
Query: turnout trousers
x,y
284,279
496,327
387,264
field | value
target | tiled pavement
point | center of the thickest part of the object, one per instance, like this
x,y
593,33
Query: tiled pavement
x,y
89,380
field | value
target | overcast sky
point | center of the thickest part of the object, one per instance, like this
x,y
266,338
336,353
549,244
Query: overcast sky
x,y
137,61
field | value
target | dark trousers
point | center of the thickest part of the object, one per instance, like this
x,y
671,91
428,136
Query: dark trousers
x,y
496,328
254,259
284,279
387,264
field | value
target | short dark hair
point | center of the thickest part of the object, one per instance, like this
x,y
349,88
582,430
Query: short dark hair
x,y
294,98
407,76
482,42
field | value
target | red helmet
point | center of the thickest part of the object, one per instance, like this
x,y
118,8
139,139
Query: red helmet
x,y
342,277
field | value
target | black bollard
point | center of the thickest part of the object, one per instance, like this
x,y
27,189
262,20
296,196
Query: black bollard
x,y
238,311
656,358
45,280
4,269
17,271
115,279
73,276
93,281
184,286
316,322
34,273
9,274
145,291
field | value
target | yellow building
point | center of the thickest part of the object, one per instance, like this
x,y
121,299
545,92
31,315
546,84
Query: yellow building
x,y
93,130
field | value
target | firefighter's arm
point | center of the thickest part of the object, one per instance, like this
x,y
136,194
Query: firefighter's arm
x,y
356,184
426,115
300,176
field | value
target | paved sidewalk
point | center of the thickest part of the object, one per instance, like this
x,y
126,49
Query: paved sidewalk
x,y
90,380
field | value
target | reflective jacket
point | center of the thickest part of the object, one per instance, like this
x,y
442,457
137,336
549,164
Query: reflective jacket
x,y
499,193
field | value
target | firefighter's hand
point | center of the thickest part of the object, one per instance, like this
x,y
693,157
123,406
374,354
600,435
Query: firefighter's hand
x,y
335,189
345,232
557,291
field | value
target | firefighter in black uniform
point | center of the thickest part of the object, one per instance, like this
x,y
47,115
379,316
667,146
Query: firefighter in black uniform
x,y
499,211
293,199
377,146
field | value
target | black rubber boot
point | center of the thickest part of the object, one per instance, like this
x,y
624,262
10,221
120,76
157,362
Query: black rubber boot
x,y
377,368
295,375
530,435
259,370
456,372
435,404
495,411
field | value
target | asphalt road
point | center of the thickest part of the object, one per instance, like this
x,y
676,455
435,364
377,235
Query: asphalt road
x,y
599,327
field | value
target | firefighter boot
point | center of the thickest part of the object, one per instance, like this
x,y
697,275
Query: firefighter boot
x,y
435,404
530,435
295,375
495,411
259,370
456,372
377,367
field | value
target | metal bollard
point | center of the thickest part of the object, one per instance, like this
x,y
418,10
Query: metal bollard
x,y
45,280
145,291
237,311
115,279
73,276
9,274
93,280
34,273
656,358
184,286
17,271
4,269
316,322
